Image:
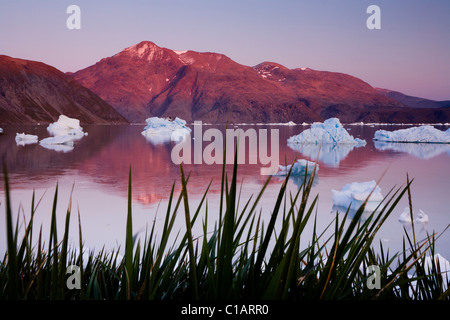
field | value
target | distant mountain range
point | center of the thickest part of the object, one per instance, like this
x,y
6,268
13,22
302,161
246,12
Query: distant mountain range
x,y
413,102
147,80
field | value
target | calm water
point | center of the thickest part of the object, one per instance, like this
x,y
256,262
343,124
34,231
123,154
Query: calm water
x,y
98,167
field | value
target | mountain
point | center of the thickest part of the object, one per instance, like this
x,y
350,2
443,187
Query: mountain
x,y
413,102
33,92
147,80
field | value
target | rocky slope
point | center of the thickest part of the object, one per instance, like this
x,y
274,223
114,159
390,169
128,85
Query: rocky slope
x,y
33,92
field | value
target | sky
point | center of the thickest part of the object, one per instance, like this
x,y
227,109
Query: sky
x,y
410,53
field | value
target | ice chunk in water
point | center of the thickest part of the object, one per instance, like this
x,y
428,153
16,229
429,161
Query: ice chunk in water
x,y
162,130
59,143
354,194
299,168
23,139
422,134
63,139
330,131
405,216
64,132
66,126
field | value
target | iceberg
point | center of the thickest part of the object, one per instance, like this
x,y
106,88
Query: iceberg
x,y
65,131
162,130
66,126
63,139
23,139
330,131
354,194
299,168
62,143
405,216
433,265
444,266
422,134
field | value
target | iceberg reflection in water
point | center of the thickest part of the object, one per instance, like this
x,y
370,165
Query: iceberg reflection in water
x,y
418,150
328,154
58,147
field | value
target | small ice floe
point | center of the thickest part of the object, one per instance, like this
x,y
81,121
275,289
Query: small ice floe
x,y
432,265
299,168
353,195
64,139
62,143
422,134
405,217
162,130
23,139
441,262
330,131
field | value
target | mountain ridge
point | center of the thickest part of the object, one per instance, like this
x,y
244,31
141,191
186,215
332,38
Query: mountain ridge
x,y
412,101
147,80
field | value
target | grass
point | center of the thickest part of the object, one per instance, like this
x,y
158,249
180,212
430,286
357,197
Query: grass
x,y
240,258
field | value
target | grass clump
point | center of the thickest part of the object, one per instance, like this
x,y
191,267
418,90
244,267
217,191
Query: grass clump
x,y
240,258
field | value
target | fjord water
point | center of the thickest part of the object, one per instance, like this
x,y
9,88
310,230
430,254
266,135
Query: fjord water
x,y
97,169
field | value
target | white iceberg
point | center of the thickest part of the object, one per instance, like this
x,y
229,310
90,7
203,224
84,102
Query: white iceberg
x,y
65,131
62,143
330,131
422,134
162,130
299,168
441,264
422,217
23,139
63,139
405,216
354,194
432,265
66,126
